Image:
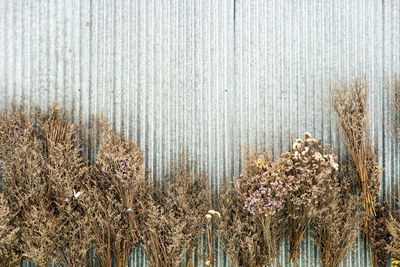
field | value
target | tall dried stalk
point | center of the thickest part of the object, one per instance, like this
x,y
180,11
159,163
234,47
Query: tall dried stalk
x,y
349,103
175,216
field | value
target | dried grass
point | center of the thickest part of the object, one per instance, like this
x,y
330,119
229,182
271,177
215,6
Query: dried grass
x,y
394,230
118,193
337,225
349,103
380,234
8,238
240,233
41,167
175,217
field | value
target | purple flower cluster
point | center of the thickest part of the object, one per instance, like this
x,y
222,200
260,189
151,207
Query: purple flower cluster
x,y
262,187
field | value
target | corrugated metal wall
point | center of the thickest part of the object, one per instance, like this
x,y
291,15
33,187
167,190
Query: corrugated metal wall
x,y
210,75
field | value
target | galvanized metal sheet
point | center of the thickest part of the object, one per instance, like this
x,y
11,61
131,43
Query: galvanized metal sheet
x,y
208,75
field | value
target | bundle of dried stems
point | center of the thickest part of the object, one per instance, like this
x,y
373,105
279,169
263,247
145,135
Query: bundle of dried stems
x,y
118,194
349,103
41,168
337,224
175,215
240,233
380,234
263,190
310,171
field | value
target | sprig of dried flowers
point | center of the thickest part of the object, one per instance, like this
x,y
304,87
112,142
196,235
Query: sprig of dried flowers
x,y
263,190
212,214
310,170
239,232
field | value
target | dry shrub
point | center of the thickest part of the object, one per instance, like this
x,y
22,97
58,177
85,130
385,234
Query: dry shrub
x,y
24,179
380,234
349,103
175,218
310,171
394,230
336,226
118,192
8,237
40,235
262,188
42,166
67,172
239,231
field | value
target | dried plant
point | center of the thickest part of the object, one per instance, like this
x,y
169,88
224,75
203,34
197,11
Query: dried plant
x,y
40,235
8,238
118,191
42,167
310,170
394,230
175,216
263,190
24,179
239,231
67,172
336,226
349,103
212,214
380,234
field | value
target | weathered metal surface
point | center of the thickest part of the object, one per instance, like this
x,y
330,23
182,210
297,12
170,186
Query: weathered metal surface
x,y
209,75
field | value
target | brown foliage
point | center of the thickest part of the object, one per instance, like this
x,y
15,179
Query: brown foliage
x,y
394,230
349,103
118,193
8,237
67,172
23,166
336,226
41,168
241,233
175,216
380,234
